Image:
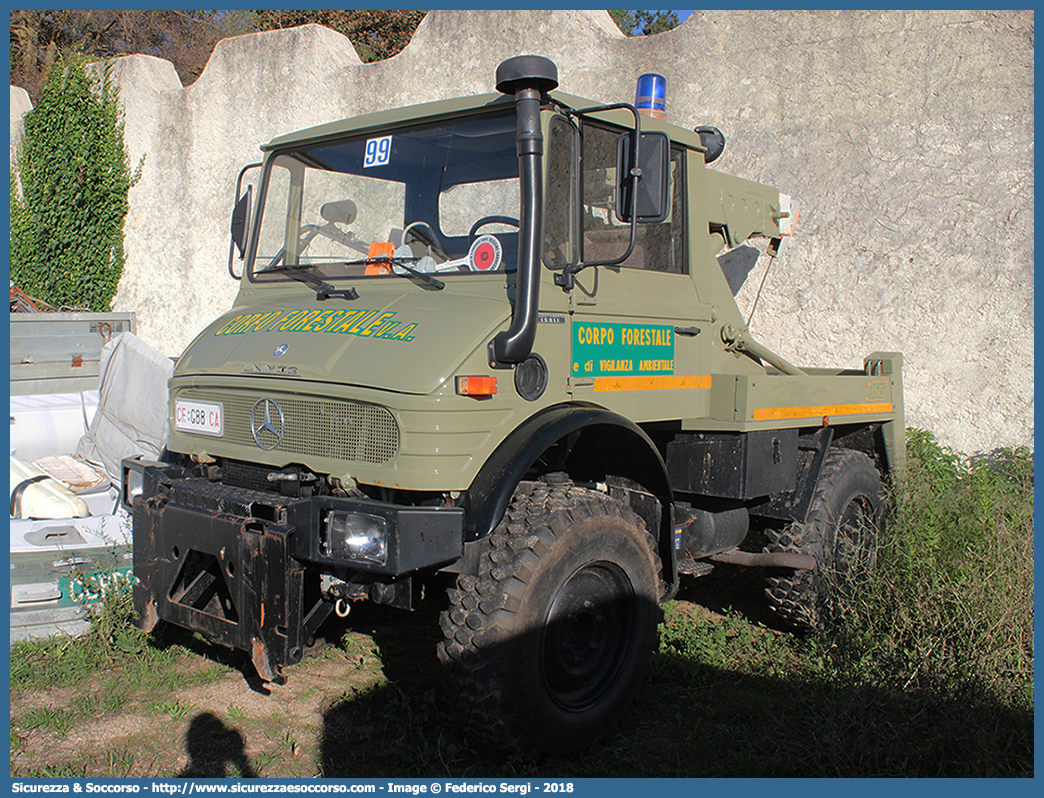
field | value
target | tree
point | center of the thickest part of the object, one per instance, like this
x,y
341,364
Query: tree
x,y
644,22
40,38
69,200
376,35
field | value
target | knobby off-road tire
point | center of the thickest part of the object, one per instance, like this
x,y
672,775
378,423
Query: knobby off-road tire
x,y
841,532
545,649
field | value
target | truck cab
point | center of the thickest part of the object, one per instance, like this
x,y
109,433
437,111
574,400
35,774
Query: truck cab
x,y
488,338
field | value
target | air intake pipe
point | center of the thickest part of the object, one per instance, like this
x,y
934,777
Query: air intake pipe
x,y
527,77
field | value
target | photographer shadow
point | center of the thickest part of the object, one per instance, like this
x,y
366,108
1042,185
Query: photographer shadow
x,y
212,747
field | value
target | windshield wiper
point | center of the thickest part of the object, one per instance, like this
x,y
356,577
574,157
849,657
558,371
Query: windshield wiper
x,y
323,289
434,282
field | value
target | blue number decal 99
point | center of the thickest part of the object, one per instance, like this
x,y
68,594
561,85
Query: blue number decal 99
x,y
378,151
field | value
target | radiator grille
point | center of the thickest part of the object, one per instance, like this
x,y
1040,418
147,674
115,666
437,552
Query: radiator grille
x,y
339,429
247,475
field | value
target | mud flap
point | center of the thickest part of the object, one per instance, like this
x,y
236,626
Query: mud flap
x,y
230,578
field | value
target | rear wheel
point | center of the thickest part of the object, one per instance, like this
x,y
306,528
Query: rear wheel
x,y
545,649
841,532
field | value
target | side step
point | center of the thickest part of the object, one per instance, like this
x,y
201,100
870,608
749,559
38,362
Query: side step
x,y
767,559
694,567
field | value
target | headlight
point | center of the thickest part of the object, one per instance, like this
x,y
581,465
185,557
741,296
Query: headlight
x,y
133,483
357,536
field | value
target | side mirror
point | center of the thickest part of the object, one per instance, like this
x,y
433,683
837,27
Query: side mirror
x,y
240,217
654,162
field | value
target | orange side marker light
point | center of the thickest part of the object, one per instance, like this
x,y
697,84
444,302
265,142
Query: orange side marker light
x,y
479,387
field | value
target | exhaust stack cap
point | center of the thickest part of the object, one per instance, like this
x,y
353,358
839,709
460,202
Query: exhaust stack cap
x,y
527,72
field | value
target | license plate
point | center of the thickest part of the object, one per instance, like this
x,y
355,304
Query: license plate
x,y
204,418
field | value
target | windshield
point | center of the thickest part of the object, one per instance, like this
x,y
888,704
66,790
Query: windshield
x,y
437,198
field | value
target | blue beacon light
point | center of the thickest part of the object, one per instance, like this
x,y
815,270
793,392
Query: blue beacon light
x,y
651,96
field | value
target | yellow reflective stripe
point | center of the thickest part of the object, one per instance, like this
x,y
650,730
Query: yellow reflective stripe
x,y
650,383
776,413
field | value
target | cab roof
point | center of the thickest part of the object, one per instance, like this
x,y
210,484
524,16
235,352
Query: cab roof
x,y
458,106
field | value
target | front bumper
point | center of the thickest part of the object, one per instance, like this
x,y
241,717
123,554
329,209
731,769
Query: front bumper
x,y
244,566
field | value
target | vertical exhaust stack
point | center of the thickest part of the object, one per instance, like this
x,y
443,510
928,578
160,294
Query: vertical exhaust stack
x,y
527,77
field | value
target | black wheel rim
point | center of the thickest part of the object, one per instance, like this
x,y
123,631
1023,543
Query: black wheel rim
x,y
588,635
853,546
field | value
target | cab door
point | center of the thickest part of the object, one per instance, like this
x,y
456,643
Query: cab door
x,y
634,327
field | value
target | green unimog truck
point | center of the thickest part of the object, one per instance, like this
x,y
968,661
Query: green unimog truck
x,y
485,344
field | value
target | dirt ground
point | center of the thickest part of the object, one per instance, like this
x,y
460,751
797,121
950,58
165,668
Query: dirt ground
x,y
227,727
369,704
227,723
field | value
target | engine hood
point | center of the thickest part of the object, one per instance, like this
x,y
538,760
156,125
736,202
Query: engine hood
x,y
405,342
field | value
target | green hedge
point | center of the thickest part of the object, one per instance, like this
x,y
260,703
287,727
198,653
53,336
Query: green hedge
x,y
73,175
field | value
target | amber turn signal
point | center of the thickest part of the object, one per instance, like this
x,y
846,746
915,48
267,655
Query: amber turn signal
x,y
476,386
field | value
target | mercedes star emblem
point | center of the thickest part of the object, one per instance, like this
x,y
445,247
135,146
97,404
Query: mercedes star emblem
x,y
264,420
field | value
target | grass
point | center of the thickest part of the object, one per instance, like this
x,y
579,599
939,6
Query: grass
x,y
172,708
73,770
952,607
931,674
119,761
150,663
92,704
54,719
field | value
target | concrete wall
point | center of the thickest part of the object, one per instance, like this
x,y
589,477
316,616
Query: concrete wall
x,y
907,136
20,104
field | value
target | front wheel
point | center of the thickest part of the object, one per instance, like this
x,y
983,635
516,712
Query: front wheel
x,y
545,649
841,532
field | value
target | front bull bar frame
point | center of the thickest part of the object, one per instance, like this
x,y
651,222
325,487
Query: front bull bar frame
x,y
231,578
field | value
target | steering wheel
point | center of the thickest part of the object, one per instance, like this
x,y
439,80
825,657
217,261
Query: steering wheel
x,y
492,220
428,238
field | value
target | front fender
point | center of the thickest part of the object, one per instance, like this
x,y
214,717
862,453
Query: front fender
x,y
595,443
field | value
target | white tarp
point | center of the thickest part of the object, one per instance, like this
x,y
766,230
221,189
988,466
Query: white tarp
x,y
132,407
